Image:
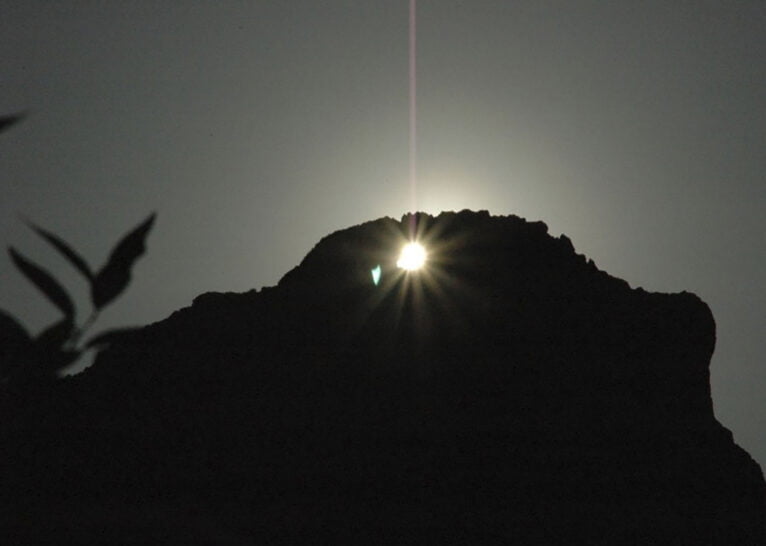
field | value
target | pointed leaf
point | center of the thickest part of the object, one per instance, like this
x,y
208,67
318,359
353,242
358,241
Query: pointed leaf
x,y
55,335
74,258
7,121
44,282
14,342
47,353
109,337
11,329
114,277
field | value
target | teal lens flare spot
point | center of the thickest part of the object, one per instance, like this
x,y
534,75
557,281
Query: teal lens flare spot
x,y
376,274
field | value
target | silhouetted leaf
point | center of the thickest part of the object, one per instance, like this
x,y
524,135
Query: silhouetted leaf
x,y
55,335
115,275
44,282
7,121
105,339
11,329
49,352
67,251
14,341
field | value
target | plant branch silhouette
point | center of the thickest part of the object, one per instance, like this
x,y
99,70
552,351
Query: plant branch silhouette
x,y
25,359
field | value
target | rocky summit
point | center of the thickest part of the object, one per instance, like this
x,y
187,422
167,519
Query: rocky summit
x,y
507,392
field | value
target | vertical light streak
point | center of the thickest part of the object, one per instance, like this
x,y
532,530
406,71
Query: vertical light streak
x,y
413,109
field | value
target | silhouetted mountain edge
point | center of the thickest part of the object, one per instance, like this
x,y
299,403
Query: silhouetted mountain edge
x,y
511,392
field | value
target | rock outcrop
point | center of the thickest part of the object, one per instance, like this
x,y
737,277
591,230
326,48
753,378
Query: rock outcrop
x,y
509,392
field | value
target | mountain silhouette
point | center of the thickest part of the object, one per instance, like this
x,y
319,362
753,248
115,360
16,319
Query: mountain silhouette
x,y
509,392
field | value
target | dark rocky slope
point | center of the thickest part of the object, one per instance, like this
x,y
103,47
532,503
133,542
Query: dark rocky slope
x,y
511,393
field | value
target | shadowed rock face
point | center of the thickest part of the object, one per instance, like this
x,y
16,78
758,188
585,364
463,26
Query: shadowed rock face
x,y
510,392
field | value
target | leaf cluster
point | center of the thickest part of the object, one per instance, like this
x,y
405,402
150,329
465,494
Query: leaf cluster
x,y
23,356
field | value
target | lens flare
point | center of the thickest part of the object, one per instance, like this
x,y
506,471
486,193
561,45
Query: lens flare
x,y
413,257
376,274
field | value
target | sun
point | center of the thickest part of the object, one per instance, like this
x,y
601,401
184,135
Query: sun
x,y
413,257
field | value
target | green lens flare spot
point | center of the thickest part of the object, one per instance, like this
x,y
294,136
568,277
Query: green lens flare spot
x,y
376,274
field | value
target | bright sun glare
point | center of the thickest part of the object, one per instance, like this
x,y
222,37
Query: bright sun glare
x,y
413,257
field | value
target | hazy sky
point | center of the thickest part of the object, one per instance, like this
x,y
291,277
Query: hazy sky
x,y
255,128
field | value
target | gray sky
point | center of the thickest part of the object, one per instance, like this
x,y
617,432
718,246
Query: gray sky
x,y
255,128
